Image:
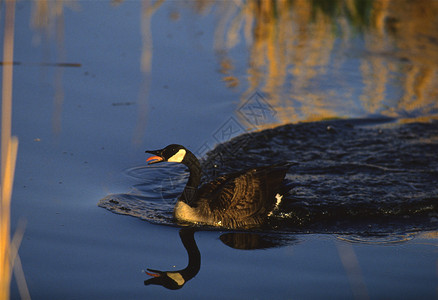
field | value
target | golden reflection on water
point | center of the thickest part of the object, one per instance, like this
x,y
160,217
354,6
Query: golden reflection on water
x,y
312,59
48,21
407,32
148,10
295,45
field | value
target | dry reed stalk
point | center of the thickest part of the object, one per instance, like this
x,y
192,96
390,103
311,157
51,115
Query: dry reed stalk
x,y
6,152
9,147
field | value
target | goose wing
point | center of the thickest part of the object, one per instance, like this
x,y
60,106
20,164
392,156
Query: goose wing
x,y
243,195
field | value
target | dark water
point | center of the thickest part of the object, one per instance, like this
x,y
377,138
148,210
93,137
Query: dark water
x,y
368,176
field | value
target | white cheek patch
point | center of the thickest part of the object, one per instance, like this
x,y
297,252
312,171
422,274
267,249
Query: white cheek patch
x,y
178,157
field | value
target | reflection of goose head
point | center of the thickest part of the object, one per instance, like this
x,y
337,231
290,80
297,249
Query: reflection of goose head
x,y
238,200
170,279
174,280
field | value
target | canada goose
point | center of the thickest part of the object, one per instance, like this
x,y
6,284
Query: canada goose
x,y
238,200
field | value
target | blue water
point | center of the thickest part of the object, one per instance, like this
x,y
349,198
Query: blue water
x,y
85,145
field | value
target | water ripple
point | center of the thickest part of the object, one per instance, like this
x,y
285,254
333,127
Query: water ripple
x,y
350,177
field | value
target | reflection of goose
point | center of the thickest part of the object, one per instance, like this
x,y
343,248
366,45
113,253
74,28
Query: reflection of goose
x,y
241,199
176,279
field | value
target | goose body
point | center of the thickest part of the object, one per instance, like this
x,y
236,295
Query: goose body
x,y
237,200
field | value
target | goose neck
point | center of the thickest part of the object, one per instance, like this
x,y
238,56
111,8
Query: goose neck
x,y
191,187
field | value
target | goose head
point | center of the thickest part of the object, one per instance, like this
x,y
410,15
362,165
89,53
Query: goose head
x,y
172,153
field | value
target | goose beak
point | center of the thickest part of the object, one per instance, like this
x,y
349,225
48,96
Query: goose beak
x,y
154,159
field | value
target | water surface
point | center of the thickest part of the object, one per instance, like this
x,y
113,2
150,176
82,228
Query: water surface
x,y
96,83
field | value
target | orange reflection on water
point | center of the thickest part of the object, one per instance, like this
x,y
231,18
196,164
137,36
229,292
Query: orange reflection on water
x,y
312,59
406,38
298,51
48,21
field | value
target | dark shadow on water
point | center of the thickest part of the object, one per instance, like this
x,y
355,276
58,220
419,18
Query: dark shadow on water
x,y
256,240
242,240
174,280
